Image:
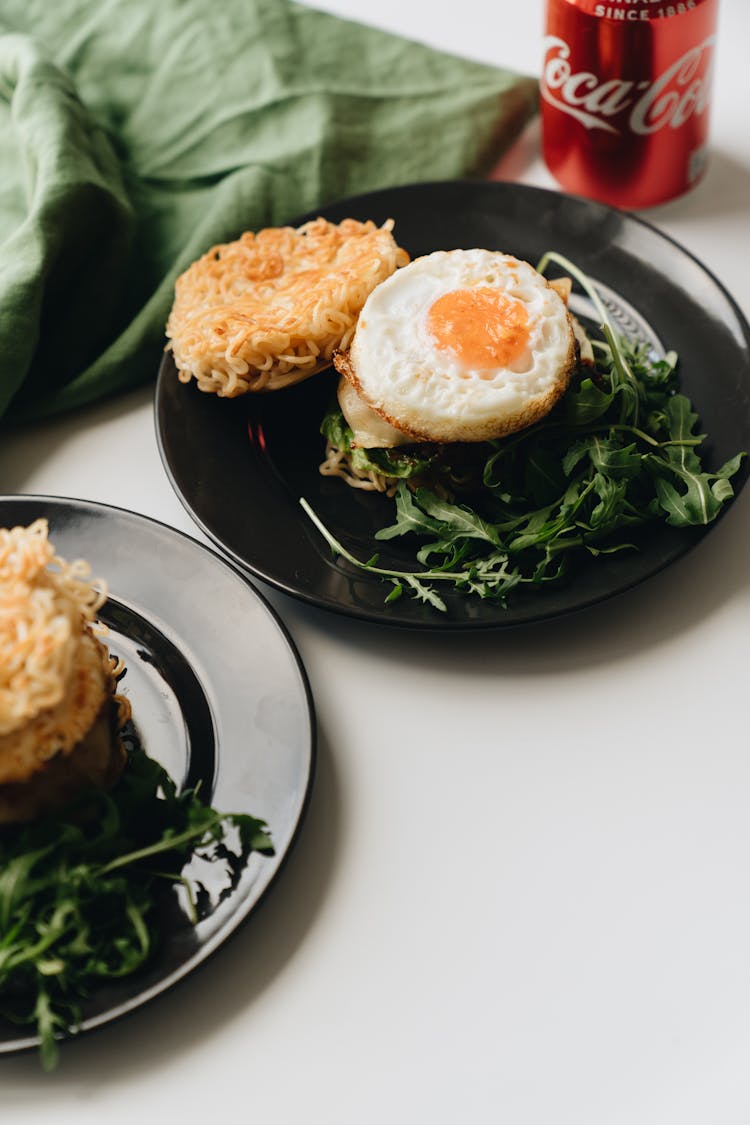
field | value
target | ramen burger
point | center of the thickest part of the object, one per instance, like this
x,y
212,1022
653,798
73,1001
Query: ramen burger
x,y
59,715
268,309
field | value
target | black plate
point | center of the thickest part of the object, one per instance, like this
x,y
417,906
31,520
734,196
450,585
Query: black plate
x,y
219,696
239,466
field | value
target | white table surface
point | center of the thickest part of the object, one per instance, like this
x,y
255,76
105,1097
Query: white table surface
x,y
577,949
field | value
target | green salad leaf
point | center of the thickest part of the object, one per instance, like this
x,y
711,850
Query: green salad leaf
x,y
81,891
402,462
619,451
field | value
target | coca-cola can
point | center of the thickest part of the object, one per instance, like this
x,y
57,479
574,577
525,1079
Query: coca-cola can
x,y
625,88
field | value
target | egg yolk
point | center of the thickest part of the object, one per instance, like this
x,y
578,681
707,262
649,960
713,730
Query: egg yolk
x,y
482,327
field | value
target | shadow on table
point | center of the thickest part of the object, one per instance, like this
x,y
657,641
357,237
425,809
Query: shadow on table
x,y
723,192
25,446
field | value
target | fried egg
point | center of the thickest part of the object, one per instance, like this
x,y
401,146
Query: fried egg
x,y
461,345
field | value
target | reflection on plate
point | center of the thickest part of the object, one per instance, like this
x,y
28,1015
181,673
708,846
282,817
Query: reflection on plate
x,y
240,466
219,697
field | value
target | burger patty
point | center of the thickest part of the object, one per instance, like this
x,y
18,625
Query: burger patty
x,y
96,761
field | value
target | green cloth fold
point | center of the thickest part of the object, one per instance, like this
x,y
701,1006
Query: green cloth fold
x,y
135,135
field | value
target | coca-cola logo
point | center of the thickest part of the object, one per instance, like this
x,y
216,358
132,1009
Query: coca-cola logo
x,y
682,90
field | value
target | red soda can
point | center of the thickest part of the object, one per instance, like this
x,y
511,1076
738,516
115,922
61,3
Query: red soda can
x,y
625,88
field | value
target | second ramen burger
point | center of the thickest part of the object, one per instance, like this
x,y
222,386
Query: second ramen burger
x,y
59,714
269,309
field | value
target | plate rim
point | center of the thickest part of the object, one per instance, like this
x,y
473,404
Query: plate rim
x,y
236,922
438,622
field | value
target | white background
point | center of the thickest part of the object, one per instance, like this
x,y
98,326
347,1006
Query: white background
x,y
522,892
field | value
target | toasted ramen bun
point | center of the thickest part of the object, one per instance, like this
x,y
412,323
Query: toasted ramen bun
x,y
269,309
59,715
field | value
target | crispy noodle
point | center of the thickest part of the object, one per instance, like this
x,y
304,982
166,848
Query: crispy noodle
x,y
338,463
269,309
54,673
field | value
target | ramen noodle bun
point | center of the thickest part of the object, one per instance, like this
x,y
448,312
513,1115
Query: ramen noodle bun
x,y
460,346
59,716
268,310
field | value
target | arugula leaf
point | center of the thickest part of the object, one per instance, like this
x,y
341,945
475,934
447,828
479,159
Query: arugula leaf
x,y
586,403
424,593
544,474
685,492
611,458
607,512
702,496
409,518
459,520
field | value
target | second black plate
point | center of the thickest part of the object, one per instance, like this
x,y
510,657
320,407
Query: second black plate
x,y
220,699
240,466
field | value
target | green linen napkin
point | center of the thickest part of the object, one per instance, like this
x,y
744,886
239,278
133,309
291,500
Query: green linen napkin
x,y
134,135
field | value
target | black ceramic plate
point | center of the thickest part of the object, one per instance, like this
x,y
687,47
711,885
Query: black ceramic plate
x,y
218,695
240,466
